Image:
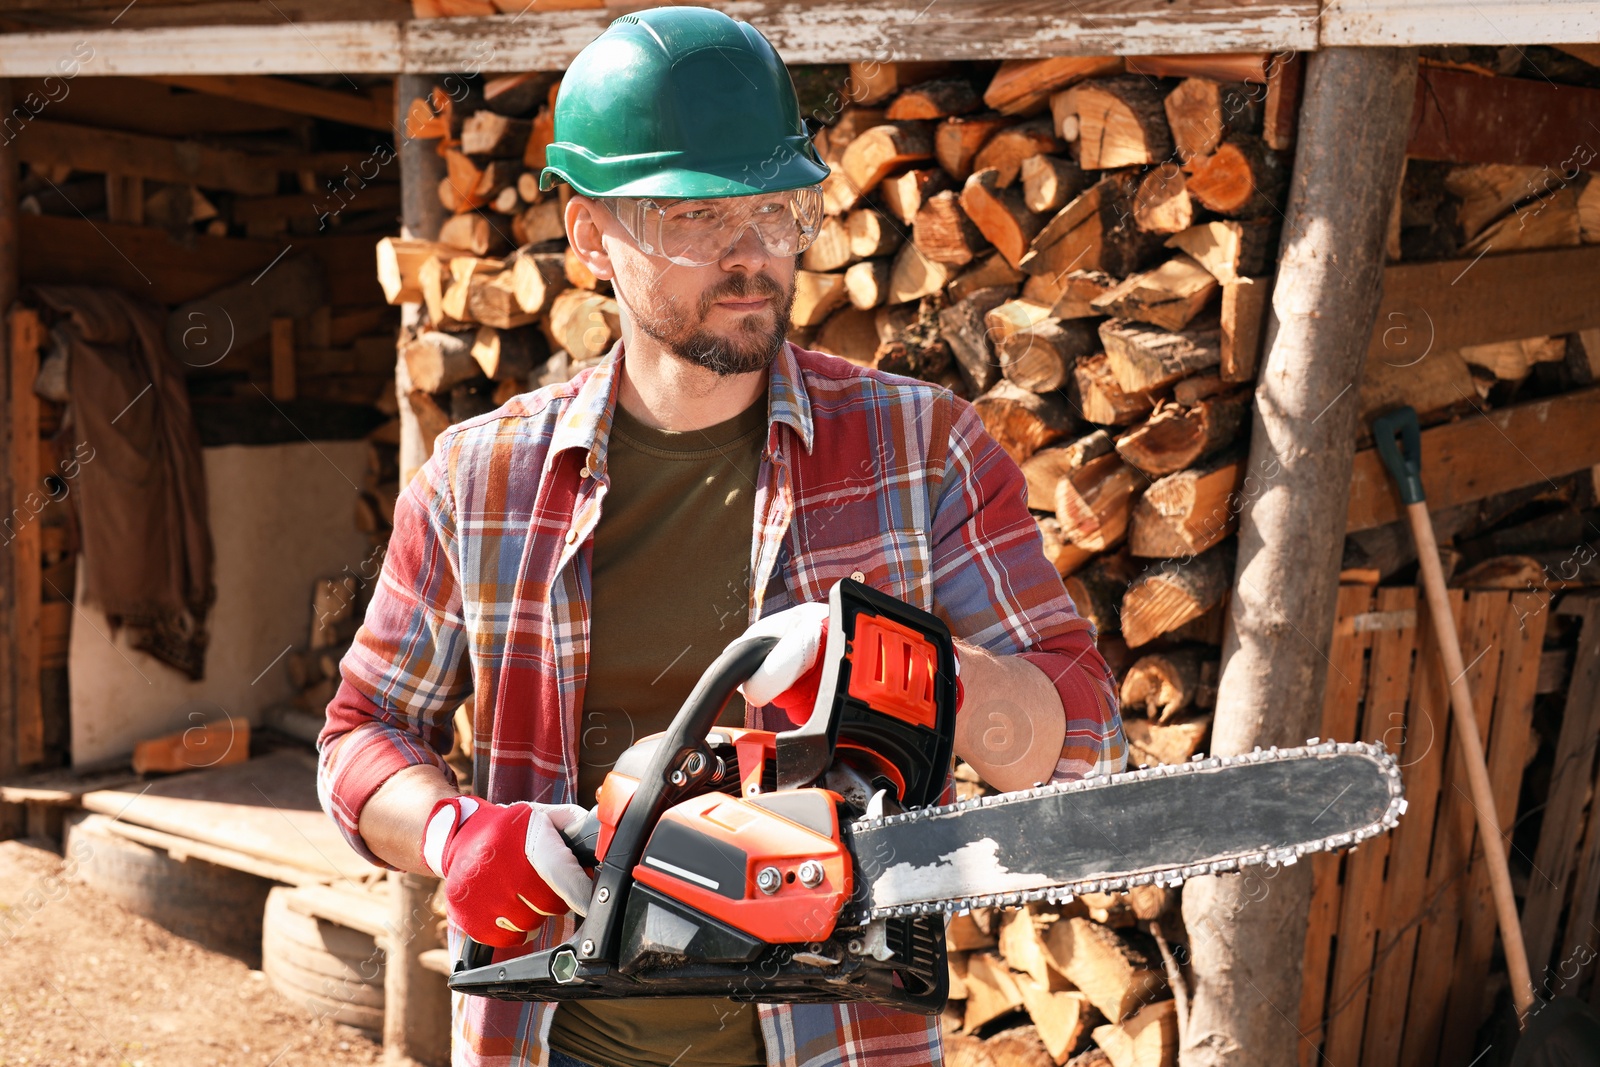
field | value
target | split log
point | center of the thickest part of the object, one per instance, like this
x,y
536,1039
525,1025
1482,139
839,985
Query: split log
x,y
867,282
1202,111
1163,683
462,270
538,223
872,82
507,201
894,320
990,271
471,233
1000,214
1143,358
963,934
509,355
1048,182
1486,191
957,141
991,991
871,234
543,133
1169,296
438,361
1007,148
944,233
964,327
1188,512
1546,222
1097,591
432,277
459,188
1502,572
882,150
536,278
399,260
1013,316
1072,295
1197,387
528,190
1242,324
1116,977
934,100
1063,555
852,122
585,324
849,333
903,195
1152,744
432,420
1019,1046
1095,231
1121,122
485,133
1177,436
1021,934
1440,384
917,349
1046,467
816,296
1043,356
492,301
1063,1017
839,193
1021,86
1243,178
1094,503
1148,1039
831,249
1230,248
1513,361
1169,595
1023,422
1162,204
915,275
1101,399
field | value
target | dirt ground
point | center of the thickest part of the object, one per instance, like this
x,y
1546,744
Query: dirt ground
x,y
84,982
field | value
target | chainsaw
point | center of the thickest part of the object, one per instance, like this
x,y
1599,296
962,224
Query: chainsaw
x,y
817,864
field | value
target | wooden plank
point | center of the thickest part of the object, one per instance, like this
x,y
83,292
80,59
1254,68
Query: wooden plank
x,y
62,788
283,359
182,848
142,106
1570,777
1507,726
27,491
829,32
1461,117
1340,701
100,151
1577,960
266,807
55,632
1418,744
346,904
1388,686
1484,454
1392,23
371,108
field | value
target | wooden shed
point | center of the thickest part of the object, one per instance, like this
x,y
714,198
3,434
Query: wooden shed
x,y
1177,255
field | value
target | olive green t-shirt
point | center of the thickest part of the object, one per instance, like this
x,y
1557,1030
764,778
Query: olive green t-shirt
x,y
669,591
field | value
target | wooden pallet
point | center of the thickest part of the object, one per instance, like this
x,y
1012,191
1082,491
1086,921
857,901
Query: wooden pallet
x,y
1402,929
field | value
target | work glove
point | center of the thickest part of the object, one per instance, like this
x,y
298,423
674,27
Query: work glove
x,y
505,866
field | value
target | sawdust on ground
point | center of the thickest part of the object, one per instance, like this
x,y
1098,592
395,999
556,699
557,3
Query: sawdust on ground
x,y
84,982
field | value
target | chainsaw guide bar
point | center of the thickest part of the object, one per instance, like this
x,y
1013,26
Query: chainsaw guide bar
x,y
1158,825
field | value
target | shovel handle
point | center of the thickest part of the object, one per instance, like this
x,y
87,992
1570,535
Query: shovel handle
x,y
1399,441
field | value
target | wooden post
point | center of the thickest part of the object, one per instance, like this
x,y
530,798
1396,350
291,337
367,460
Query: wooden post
x,y
1248,932
283,359
416,1001
421,215
26,544
11,816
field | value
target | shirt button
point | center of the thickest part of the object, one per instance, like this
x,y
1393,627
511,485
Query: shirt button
x,y
572,535
584,473
857,576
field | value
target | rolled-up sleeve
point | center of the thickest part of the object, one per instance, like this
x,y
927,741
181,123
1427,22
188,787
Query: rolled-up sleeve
x,y
406,671
995,589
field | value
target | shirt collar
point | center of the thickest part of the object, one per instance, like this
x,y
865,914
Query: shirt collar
x,y
586,422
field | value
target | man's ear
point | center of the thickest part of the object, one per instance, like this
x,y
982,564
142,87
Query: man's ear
x,y
584,231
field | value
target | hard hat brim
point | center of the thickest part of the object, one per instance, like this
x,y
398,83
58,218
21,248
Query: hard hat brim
x,y
660,176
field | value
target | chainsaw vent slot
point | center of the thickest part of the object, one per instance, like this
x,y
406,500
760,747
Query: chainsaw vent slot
x,y
893,669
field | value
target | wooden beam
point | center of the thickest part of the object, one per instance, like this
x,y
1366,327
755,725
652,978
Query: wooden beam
x,y
1460,117
1247,948
1445,304
22,530
833,31
11,819
416,1002
140,105
371,109
1389,23
421,216
1485,454
43,143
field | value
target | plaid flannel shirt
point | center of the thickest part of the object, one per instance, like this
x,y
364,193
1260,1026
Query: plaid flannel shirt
x,y
485,590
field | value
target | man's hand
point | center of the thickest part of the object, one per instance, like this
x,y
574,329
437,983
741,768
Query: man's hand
x,y
792,672
505,866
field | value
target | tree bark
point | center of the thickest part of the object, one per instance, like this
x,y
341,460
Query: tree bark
x,y
1247,947
421,215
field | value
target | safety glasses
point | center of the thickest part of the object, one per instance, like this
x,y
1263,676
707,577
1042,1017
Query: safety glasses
x,y
697,233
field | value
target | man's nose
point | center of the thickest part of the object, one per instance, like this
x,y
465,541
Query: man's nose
x,y
747,252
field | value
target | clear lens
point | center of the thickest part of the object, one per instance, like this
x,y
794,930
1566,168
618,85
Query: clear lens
x,y
697,233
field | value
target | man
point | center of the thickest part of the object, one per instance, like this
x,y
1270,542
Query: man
x,y
577,558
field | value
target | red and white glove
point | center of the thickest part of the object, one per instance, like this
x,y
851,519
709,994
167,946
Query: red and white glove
x,y
792,672
505,866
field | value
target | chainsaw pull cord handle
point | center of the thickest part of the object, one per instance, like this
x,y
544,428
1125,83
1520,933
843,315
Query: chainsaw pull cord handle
x,y
1399,443
656,792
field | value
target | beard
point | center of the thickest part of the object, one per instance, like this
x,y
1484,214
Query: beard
x,y
751,346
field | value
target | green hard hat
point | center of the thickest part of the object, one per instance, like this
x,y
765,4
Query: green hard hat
x,y
679,102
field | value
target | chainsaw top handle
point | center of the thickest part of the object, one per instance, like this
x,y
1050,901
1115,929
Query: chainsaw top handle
x,y
678,764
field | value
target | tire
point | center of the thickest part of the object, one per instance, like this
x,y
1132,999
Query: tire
x,y
330,970
218,907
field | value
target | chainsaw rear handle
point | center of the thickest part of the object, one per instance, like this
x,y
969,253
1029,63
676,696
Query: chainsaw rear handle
x,y
667,779
1399,442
